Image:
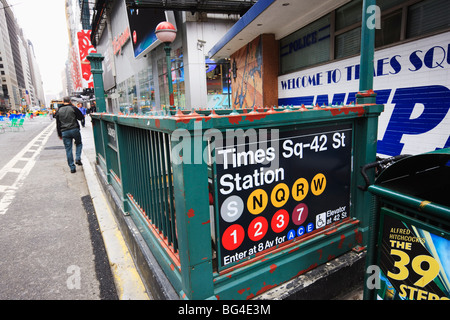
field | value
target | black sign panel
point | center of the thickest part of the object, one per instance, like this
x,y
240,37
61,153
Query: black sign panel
x,y
279,186
112,138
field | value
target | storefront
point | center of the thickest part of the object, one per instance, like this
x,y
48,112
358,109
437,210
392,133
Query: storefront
x,y
319,63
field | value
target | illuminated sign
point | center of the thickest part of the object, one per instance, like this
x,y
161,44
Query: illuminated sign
x,y
143,23
412,80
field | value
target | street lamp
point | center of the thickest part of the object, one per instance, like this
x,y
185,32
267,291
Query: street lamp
x,y
166,33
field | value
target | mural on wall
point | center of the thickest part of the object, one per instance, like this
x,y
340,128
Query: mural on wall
x,y
247,85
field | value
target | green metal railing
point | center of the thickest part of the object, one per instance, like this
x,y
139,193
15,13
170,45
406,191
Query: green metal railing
x,y
137,164
170,196
147,154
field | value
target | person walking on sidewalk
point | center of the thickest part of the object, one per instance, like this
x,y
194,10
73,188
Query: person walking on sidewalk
x,y
68,129
83,111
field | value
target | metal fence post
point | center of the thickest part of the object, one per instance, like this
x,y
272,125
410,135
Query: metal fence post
x,y
365,152
123,166
366,94
193,220
104,137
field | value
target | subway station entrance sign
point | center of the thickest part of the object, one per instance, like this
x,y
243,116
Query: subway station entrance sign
x,y
280,186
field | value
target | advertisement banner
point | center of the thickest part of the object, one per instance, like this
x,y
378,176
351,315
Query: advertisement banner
x,y
85,47
280,186
414,262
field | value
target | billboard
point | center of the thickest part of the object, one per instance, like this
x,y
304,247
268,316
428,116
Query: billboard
x,y
85,47
143,22
414,260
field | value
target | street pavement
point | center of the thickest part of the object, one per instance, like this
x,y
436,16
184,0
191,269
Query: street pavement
x,y
58,238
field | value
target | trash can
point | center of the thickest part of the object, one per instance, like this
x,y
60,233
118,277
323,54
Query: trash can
x,y
409,254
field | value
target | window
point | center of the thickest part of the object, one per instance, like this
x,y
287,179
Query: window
x,y
348,29
428,16
390,31
307,46
123,101
348,43
146,98
218,83
131,92
400,20
349,14
127,96
389,4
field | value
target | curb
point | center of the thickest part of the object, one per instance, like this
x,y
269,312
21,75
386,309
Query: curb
x,y
128,282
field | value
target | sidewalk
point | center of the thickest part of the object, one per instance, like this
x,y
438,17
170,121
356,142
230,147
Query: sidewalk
x,y
126,277
51,248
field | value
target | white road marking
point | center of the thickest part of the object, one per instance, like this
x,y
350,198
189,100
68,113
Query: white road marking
x,y
10,190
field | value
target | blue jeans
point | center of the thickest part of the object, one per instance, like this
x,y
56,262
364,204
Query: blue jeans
x,y
68,136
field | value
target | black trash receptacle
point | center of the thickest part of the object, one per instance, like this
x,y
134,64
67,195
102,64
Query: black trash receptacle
x,y
409,257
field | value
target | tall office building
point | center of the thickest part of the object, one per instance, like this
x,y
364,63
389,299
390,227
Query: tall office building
x,y
21,83
7,67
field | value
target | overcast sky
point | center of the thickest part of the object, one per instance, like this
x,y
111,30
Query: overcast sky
x,y
44,24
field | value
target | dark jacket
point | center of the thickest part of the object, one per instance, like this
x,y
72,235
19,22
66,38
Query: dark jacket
x,y
66,118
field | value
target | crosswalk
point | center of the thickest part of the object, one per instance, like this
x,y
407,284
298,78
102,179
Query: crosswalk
x,y
14,173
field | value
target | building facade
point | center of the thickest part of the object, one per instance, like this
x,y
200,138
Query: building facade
x,y
20,76
278,56
135,75
316,61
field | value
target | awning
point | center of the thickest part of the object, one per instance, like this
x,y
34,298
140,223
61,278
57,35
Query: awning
x,y
212,6
278,17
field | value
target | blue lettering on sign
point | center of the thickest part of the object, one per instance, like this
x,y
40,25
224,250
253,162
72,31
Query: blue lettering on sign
x,y
432,59
338,98
291,234
437,57
296,101
304,42
436,102
435,99
383,67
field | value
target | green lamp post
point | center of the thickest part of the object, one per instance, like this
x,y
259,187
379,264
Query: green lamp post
x,y
166,33
368,25
97,72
